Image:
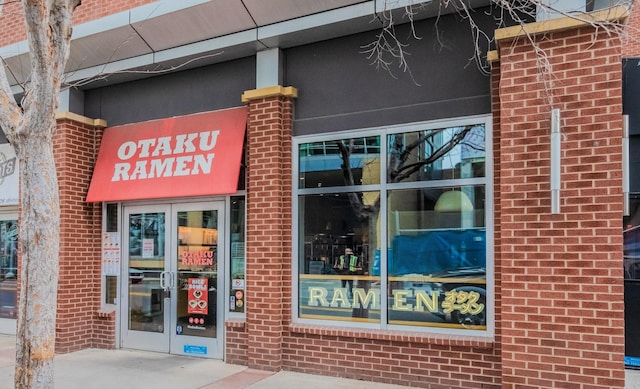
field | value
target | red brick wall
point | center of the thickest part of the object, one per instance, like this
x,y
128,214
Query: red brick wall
x,y
268,267
104,334
12,22
96,9
236,343
631,46
562,312
12,17
403,358
272,343
76,147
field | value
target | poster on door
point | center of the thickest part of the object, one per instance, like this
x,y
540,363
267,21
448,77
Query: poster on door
x,y
198,296
148,248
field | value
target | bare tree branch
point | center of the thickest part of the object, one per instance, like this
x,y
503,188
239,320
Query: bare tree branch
x,y
105,75
10,113
399,171
362,211
388,49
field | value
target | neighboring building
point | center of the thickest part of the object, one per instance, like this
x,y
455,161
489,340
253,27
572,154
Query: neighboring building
x,y
239,182
631,94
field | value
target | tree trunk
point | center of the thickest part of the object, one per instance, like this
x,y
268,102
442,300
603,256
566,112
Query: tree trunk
x,y
39,242
29,127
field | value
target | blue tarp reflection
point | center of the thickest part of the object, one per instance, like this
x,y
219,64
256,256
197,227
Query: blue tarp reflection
x,y
437,251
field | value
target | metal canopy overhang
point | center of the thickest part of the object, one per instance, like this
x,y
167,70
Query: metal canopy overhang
x,y
163,35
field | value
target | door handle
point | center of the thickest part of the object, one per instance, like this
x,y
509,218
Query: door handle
x,y
172,279
163,280
167,280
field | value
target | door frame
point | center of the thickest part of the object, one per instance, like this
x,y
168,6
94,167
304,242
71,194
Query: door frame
x,y
169,341
181,344
141,340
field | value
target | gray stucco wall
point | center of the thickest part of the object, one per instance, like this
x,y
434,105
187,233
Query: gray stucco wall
x,y
198,90
339,89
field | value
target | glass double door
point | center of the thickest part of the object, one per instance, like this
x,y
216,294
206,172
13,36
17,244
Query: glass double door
x,y
172,256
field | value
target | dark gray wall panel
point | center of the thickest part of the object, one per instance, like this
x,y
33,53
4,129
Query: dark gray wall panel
x,y
634,163
631,93
339,89
631,107
198,90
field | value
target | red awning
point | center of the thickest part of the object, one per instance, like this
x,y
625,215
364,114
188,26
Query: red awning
x,y
193,155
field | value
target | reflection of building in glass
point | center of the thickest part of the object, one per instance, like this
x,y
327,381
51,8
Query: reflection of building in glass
x,y
8,267
147,227
9,247
436,244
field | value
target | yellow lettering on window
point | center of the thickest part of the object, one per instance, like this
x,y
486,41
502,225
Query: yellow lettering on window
x,y
400,300
318,296
430,301
362,300
340,298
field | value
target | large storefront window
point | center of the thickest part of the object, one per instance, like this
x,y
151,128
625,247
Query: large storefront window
x,y
392,227
437,258
336,274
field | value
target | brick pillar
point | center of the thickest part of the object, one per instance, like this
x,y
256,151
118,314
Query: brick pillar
x,y
268,250
76,144
562,309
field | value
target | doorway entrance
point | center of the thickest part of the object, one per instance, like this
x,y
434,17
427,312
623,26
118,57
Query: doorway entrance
x,y
172,272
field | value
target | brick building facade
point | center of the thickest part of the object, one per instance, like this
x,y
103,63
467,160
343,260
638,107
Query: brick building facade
x,y
550,286
557,268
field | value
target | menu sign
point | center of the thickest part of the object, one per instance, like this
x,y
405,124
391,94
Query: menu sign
x,y
110,253
198,296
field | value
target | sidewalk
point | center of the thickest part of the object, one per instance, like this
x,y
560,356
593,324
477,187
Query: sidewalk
x,y
102,369
107,369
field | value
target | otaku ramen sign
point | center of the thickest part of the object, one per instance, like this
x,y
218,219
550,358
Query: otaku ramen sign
x,y
183,156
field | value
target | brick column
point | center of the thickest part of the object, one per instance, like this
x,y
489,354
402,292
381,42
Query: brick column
x,y
562,309
268,249
76,144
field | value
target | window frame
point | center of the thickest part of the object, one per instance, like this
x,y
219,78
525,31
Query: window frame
x,y
103,277
232,315
384,188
